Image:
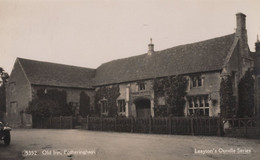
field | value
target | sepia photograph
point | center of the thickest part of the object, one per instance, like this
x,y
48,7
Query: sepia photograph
x,y
129,79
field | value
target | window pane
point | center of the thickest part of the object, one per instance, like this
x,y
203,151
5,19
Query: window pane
x,y
196,111
121,105
190,103
199,82
123,108
142,86
206,101
190,111
206,112
196,102
201,112
103,106
200,100
194,82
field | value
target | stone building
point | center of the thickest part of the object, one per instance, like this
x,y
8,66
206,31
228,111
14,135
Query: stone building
x,y
28,76
203,64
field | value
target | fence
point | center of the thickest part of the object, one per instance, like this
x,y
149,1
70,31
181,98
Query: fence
x,y
53,122
174,125
209,126
241,127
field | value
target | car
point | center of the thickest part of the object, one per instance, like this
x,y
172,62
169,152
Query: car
x,y
5,133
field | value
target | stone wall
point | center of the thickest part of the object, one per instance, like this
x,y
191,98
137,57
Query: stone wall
x,y
18,95
130,92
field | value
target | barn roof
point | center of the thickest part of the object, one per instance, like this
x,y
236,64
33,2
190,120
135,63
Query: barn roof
x,y
53,74
208,55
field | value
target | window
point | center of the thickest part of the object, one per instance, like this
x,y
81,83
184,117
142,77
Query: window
x,y
200,107
206,101
196,81
199,82
201,112
121,105
207,112
190,103
104,108
200,101
141,86
75,107
196,102
191,111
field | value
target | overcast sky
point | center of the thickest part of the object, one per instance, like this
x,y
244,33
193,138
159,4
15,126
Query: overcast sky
x,y
91,32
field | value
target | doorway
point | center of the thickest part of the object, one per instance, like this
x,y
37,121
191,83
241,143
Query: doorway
x,y
143,107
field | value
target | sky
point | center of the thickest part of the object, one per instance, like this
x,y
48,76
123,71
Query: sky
x,y
88,33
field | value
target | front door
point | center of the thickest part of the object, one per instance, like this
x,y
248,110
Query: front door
x,y
143,108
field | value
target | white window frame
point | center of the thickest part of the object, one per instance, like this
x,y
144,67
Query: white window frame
x,y
121,106
195,100
194,81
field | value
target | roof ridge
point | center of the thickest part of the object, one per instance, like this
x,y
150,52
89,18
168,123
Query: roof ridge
x,y
193,43
161,51
54,63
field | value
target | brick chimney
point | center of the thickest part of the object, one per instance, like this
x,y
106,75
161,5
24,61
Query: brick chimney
x,y
150,48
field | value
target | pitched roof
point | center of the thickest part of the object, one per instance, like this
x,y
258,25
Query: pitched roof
x,y
202,56
52,74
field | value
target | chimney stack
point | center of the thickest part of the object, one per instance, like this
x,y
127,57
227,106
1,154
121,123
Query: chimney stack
x,y
150,47
241,34
241,21
241,27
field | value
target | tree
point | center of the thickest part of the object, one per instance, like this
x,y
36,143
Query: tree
x,y
42,108
3,81
110,94
174,90
51,102
3,77
246,95
227,103
84,106
176,93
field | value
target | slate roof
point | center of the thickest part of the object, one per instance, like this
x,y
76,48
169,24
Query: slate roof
x,y
202,56
52,74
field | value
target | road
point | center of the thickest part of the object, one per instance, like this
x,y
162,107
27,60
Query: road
x,y
45,144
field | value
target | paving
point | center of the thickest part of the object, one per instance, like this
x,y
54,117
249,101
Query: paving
x,y
45,144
